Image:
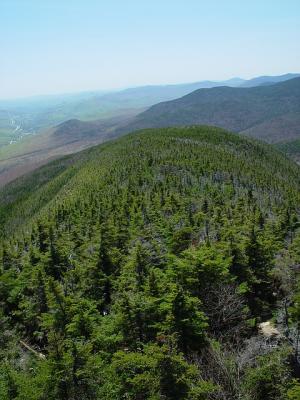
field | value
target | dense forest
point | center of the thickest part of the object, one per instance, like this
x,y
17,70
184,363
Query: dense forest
x,y
162,265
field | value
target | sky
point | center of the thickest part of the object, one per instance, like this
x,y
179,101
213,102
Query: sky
x,y
61,46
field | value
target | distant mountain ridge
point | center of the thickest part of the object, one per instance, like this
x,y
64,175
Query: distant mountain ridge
x,y
34,114
40,112
268,80
271,113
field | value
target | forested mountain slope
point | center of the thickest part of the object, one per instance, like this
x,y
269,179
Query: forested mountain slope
x,y
141,269
271,113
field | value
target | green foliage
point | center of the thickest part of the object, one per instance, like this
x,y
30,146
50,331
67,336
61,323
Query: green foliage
x,y
120,269
268,378
154,373
293,392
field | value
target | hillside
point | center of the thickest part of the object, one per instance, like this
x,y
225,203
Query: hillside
x,y
271,113
66,138
142,268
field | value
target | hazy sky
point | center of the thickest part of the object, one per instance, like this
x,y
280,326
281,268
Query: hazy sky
x,y
56,46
